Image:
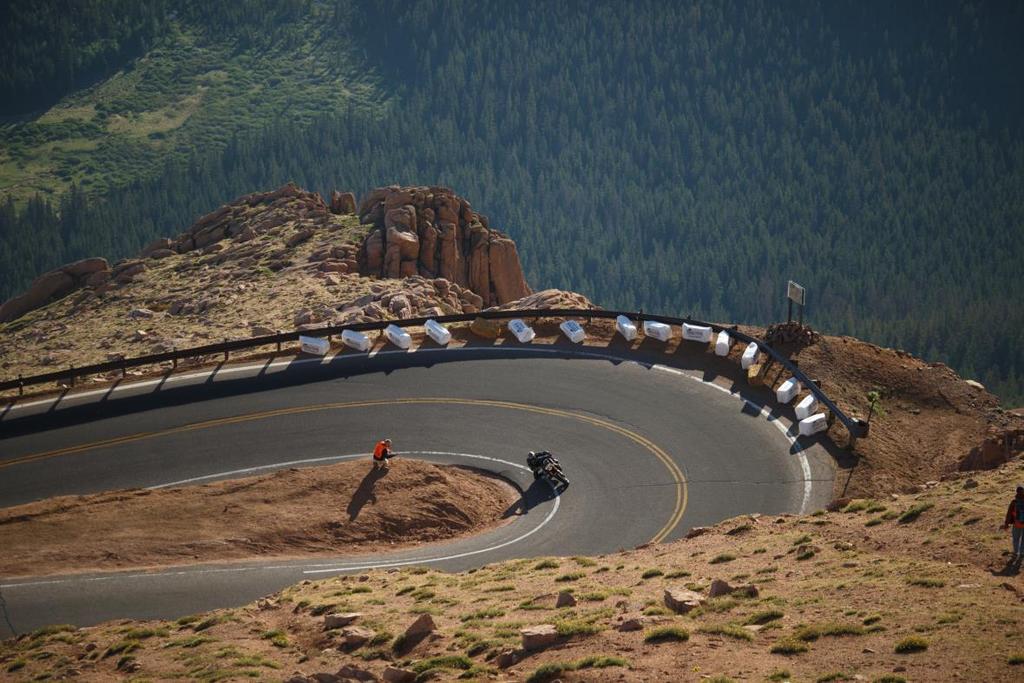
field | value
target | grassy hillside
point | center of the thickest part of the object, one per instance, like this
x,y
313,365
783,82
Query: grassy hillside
x,y
205,80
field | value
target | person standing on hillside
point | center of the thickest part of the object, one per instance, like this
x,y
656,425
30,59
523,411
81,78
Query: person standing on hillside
x,y
381,454
1015,518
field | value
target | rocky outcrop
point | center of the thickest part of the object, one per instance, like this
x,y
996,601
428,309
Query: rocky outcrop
x,y
999,447
343,202
548,298
432,232
682,600
54,285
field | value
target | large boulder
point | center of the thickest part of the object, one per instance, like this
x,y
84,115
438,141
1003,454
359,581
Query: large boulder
x,y
539,637
682,600
44,289
343,202
430,231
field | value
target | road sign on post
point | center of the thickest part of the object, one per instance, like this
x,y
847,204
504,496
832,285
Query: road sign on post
x,y
796,295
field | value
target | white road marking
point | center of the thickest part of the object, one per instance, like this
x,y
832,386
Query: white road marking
x,y
805,466
333,566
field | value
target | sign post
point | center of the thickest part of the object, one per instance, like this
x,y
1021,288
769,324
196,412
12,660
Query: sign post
x,y
796,294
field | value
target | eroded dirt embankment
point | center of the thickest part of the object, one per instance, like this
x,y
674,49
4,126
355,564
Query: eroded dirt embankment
x,y
333,510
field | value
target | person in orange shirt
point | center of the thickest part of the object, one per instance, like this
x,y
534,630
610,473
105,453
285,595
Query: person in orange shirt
x,y
381,454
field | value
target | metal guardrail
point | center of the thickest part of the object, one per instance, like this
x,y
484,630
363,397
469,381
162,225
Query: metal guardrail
x,y
856,427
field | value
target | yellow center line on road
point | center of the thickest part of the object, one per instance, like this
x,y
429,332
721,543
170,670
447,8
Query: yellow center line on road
x,y
677,476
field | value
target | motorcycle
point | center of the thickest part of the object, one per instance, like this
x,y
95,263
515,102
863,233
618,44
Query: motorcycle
x,y
546,466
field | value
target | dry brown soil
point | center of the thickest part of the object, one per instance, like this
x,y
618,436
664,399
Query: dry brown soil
x,y
837,595
339,509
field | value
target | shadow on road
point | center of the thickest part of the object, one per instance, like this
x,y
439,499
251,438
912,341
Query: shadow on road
x,y
364,492
539,492
1012,568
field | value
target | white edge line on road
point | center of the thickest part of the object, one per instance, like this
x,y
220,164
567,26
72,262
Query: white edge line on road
x,y
798,449
334,567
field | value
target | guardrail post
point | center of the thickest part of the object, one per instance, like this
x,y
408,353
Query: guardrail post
x,y
279,342
21,386
226,352
124,369
71,371
174,361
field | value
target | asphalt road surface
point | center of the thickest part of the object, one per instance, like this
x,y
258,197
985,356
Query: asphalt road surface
x,y
651,451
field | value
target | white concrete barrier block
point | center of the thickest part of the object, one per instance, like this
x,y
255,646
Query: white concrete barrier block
x,y
626,328
813,424
397,336
523,332
438,332
315,345
573,330
723,344
788,390
697,333
355,340
659,331
749,355
806,407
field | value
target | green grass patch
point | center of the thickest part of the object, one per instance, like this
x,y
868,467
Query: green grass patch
x,y
873,619
914,512
911,644
664,634
811,633
858,505
651,573
677,574
276,637
802,540
486,613
890,678
576,627
16,665
728,630
584,562
926,582
875,521
443,662
571,576
719,559
806,554
779,675
832,677
788,647
1016,659
405,590
764,616
546,564
122,647
190,641
552,670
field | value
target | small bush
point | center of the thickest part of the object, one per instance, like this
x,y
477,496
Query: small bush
x,y
651,573
443,662
719,559
404,590
789,647
874,618
729,630
874,522
809,633
780,675
665,634
555,669
889,678
657,611
16,665
677,574
122,648
576,627
546,564
925,582
830,678
805,555
1016,659
584,562
914,512
911,644
486,613
571,576
277,638
802,540
856,505
764,617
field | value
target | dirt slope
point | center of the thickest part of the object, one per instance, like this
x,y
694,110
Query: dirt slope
x,y
343,508
915,588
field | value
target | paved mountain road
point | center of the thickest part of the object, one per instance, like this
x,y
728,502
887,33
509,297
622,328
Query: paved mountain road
x,y
650,451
